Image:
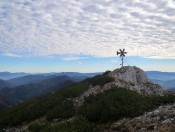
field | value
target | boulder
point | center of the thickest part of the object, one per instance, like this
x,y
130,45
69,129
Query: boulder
x,y
130,74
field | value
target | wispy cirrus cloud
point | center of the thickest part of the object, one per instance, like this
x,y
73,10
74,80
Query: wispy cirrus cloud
x,y
70,58
94,27
11,55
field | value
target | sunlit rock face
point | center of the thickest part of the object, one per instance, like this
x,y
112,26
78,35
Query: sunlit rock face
x,y
135,79
130,74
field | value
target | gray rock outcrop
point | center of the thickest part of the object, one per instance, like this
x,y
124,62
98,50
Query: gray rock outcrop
x,y
130,74
135,79
159,120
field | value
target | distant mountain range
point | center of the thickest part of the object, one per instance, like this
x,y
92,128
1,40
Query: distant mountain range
x,y
9,75
27,86
13,96
164,76
27,79
7,79
166,84
4,84
11,80
165,79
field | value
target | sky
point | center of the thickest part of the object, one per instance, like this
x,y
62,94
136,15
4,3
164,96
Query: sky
x,y
39,36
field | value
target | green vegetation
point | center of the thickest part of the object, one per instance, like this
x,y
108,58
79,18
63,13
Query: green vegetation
x,y
74,90
63,111
113,105
44,105
35,127
117,103
156,100
106,73
76,125
100,80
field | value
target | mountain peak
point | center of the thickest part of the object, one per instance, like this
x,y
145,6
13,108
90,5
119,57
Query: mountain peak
x,y
130,74
134,78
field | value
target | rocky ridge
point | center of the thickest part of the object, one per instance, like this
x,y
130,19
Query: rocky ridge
x,y
130,74
132,78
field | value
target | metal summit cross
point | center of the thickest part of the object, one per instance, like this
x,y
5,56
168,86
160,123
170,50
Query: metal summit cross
x,y
122,54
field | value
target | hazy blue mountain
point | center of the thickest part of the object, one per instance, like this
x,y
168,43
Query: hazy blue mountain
x,y
169,84
3,104
21,93
19,89
34,78
166,84
4,84
28,79
163,76
9,75
165,79
11,80
73,74
158,81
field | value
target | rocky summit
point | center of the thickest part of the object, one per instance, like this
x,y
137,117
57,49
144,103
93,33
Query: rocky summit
x,y
130,74
135,79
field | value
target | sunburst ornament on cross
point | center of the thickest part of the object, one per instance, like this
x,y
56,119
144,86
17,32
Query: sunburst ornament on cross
x,y
122,55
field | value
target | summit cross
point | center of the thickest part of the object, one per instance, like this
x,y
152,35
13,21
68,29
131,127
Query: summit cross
x,y
122,55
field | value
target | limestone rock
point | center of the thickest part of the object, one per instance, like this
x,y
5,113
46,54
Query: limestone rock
x,y
130,74
135,79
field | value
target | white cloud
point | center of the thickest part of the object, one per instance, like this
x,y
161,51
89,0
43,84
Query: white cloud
x,y
11,55
94,27
70,58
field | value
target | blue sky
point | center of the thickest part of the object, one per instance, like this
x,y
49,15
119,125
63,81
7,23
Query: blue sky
x,y
54,36
86,64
